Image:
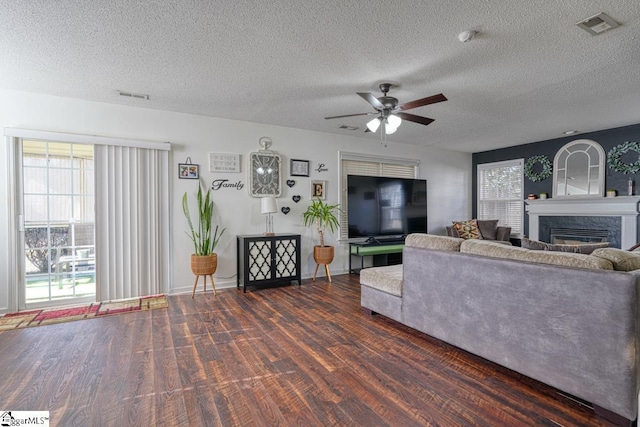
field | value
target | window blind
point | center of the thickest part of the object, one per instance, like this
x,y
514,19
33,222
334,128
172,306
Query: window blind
x,y
499,190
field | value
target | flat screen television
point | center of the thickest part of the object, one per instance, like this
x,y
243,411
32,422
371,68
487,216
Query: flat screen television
x,y
386,207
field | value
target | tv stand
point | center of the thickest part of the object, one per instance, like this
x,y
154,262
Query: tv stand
x,y
385,251
388,240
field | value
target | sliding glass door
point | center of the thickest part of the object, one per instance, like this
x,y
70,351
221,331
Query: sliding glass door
x,y
58,223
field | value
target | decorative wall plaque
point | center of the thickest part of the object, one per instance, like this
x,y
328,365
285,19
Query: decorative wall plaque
x,y
222,162
264,174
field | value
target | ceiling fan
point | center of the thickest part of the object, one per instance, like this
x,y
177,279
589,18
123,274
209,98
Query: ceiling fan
x,y
389,113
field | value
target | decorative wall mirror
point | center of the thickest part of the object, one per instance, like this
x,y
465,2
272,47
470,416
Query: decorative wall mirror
x,y
578,170
264,168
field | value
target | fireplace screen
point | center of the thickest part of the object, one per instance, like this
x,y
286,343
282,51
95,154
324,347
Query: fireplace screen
x,y
577,236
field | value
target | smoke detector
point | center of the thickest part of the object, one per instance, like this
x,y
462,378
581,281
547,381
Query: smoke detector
x,y
598,24
467,36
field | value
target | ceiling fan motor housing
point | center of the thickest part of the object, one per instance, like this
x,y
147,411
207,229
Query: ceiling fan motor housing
x,y
389,102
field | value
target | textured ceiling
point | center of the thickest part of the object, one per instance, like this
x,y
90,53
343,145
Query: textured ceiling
x,y
529,75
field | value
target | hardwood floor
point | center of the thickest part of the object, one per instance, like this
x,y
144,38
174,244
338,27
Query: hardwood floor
x,y
288,356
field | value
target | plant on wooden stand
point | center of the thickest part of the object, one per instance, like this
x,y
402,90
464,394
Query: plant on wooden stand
x,y
322,215
204,261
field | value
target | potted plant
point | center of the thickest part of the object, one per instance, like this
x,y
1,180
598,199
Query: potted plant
x,y
322,215
204,261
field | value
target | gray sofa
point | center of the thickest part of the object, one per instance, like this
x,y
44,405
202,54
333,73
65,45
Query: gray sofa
x,y
564,319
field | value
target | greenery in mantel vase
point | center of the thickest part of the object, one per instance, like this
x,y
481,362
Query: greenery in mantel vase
x,y
614,158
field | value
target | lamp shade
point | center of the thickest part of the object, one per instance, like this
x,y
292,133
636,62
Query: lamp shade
x,y
268,205
394,121
392,124
373,124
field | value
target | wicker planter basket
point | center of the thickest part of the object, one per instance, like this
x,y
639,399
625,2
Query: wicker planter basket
x,y
204,265
323,254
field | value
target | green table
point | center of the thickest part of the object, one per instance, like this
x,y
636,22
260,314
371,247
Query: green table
x,y
379,252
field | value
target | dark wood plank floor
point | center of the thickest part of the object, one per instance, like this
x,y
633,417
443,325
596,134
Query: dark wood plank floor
x,y
288,356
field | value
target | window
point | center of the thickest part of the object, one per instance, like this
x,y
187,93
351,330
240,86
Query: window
x,y
358,164
500,187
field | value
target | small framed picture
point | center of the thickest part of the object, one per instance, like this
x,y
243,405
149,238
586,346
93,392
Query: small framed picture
x,y
299,167
319,189
188,171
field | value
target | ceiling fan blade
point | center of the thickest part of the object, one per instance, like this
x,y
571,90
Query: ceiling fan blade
x,y
372,100
413,118
421,102
349,115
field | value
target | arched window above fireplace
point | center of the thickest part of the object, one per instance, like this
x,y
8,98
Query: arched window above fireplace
x,y
578,170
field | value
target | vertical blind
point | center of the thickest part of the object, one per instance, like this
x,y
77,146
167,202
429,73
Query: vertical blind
x,y
500,187
352,164
132,221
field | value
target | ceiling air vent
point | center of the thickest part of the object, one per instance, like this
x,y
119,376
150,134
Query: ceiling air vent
x,y
133,95
597,24
348,127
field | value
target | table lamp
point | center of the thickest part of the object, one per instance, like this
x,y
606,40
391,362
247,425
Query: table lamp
x,y
268,206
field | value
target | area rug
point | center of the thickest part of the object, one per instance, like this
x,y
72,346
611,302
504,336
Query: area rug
x,y
26,319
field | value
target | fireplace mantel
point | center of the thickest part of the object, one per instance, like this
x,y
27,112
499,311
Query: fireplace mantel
x,y
625,207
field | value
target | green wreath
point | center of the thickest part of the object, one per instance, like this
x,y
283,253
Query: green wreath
x,y
545,173
614,158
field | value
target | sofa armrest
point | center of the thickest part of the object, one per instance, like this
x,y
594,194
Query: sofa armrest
x,y
503,233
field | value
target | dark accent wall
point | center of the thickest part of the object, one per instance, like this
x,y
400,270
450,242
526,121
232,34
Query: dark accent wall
x,y
608,139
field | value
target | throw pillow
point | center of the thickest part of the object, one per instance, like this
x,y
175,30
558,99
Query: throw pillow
x,y
488,228
586,249
621,260
467,229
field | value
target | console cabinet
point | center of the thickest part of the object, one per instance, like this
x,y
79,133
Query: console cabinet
x,y
268,260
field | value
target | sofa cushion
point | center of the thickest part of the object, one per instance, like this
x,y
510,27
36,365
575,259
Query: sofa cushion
x,y
565,259
467,229
586,248
621,260
430,241
488,228
386,279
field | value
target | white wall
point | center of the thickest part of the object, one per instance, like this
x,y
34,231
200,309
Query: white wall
x,y
448,173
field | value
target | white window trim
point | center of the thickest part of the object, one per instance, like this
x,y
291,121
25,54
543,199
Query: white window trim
x,y
84,139
494,165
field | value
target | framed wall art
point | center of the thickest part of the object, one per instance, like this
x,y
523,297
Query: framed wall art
x,y
318,189
264,174
223,162
188,171
299,167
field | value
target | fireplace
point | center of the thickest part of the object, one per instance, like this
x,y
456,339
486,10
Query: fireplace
x,y
608,227
618,216
578,236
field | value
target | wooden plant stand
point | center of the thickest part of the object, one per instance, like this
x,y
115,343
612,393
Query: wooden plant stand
x,y
195,285
204,266
326,269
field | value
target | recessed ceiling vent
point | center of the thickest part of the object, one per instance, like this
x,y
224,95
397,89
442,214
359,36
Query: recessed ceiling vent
x,y
348,127
133,95
598,24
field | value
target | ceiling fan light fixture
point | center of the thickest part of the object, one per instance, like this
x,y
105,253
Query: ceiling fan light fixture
x,y
390,130
374,124
394,121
